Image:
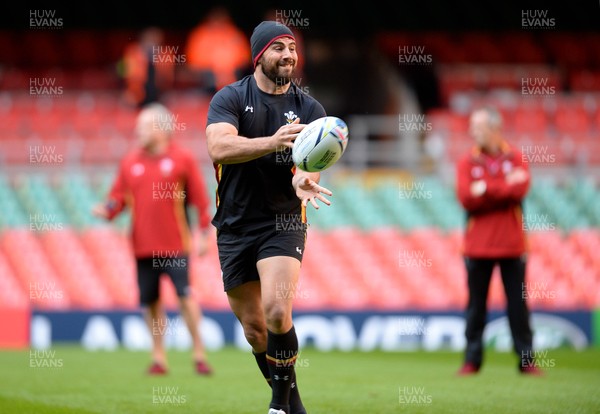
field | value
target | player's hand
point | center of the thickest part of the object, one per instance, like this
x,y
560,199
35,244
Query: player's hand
x,y
286,134
478,188
308,190
516,176
203,243
100,210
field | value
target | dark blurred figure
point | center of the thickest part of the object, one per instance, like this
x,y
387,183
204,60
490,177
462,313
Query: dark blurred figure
x,y
217,51
147,73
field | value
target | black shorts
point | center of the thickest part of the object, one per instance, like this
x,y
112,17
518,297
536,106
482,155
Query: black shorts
x,y
239,252
149,271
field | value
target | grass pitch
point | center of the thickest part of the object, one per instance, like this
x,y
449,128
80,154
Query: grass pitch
x,y
68,379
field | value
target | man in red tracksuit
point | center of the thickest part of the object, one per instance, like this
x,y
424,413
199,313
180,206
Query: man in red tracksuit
x,y
158,181
493,179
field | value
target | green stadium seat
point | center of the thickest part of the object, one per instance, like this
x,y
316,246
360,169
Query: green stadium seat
x,y
12,213
78,199
40,204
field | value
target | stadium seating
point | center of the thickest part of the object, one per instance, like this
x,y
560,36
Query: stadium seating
x,y
75,269
12,293
33,270
384,250
109,252
392,241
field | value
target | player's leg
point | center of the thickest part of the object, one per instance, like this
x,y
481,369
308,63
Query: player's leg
x,y
192,315
279,278
190,310
513,279
479,274
280,257
156,320
242,285
246,304
238,256
154,314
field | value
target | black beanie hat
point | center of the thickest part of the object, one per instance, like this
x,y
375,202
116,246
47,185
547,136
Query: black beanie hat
x,y
264,34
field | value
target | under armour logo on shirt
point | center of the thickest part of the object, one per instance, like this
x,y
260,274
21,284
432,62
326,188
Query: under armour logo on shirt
x,y
249,108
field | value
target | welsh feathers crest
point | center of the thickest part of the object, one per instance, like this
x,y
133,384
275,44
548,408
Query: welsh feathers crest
x,y
290,116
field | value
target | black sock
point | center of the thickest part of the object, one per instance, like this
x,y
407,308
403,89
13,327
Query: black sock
x,y
296,406
261,361
282,351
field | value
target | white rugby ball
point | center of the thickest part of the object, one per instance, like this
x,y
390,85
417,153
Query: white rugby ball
x,y
320,144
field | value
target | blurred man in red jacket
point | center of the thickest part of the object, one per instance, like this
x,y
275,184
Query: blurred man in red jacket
x,y
493,180
158,181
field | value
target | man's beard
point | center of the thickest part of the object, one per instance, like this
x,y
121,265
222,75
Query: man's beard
x,y
272,72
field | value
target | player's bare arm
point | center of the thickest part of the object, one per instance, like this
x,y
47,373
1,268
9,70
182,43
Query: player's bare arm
x,y
306,185
225,146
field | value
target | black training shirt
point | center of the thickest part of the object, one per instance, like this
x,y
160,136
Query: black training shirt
x,y
251,195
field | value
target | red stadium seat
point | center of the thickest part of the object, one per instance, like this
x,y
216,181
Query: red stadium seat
x,y
43,48
447,122
12,294
98,79
111,255
34,271
83,48
444,47
13,79
567,48
530,121
76,270
482,47
584,80
574,121
520,48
